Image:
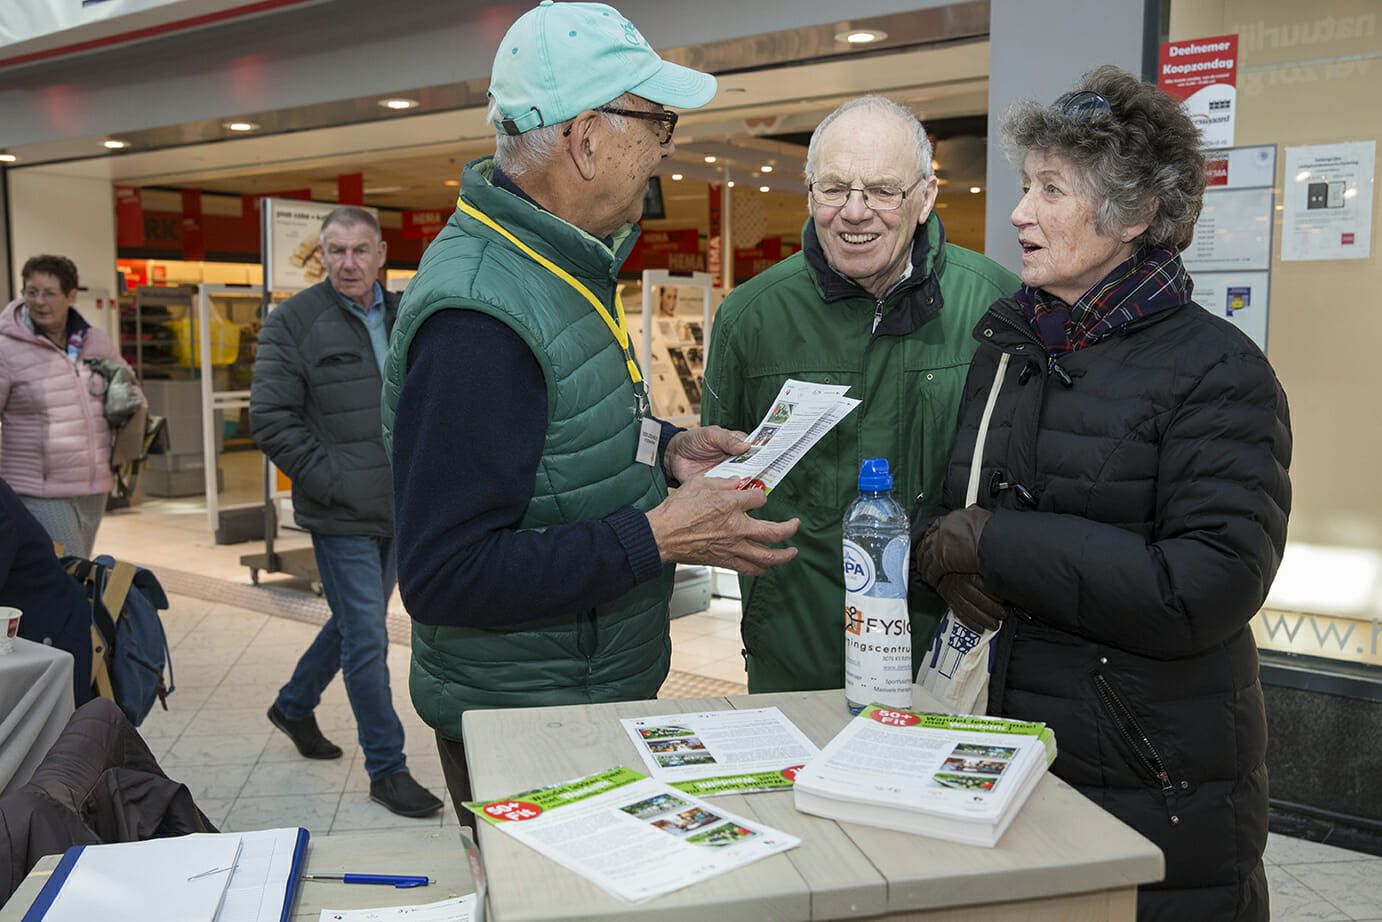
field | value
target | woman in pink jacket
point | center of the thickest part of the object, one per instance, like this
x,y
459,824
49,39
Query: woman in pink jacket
x,y
54,439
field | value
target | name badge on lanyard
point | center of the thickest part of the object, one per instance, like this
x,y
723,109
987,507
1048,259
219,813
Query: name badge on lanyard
x,y
649,429
649,434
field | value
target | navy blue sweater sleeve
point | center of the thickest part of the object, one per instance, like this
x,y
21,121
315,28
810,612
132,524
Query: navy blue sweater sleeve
x,y
468,438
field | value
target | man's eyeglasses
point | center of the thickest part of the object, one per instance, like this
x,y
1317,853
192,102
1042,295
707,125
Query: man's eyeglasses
x,y
666,121
876,198
1085,105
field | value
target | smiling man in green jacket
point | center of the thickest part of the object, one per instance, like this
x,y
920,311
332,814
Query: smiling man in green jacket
x,y
879,301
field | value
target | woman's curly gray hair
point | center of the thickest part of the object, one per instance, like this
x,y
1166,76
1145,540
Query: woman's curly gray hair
x,y
1140,162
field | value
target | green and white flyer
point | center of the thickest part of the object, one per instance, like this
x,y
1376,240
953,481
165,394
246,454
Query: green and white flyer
x,y
635,837
722,752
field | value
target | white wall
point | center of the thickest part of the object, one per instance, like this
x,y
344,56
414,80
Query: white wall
x,y
68,216
1038,51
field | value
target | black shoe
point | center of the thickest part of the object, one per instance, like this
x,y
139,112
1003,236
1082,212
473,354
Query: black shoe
x,y
306,735
404,796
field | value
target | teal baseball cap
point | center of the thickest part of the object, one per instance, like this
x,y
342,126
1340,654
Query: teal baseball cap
x,y
560,59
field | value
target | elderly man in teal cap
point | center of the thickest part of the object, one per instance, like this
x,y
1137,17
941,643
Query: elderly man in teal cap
x,y
536,531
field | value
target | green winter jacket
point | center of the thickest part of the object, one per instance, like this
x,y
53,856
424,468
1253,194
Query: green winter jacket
x,y
618,651
802,320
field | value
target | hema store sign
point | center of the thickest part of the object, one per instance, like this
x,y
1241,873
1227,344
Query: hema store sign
x,y
32,31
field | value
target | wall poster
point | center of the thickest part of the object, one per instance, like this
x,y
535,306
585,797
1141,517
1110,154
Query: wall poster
x,y
1230,257
1327,192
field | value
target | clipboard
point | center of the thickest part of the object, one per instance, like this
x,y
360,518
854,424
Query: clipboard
x,y
219,877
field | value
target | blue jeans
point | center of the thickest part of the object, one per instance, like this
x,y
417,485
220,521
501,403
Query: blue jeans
x,y
358,574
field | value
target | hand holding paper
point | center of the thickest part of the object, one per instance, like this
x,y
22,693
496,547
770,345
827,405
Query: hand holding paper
x,y
707,522
695,451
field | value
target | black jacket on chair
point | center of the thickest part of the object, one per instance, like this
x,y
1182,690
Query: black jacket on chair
x,y
314,410
1150,528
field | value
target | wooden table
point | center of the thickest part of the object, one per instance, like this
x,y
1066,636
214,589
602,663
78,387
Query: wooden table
x,y
35,703
438,853
1063,859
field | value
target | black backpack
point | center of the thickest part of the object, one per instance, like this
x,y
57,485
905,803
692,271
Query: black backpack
x,y
129,647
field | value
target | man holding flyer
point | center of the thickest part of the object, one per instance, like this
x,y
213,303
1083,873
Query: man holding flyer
x,y
536,535
878,301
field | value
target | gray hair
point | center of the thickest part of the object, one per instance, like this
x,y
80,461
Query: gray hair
x,y
517,154
878,105
350,216
1141,162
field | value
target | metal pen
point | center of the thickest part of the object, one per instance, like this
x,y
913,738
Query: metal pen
x,y
401,881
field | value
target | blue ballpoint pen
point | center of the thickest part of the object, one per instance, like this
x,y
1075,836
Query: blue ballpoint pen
x,y
401,881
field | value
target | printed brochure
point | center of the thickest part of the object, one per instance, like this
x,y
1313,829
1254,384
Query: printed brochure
x,y
721,752
635,837
958,777
799,417
458,909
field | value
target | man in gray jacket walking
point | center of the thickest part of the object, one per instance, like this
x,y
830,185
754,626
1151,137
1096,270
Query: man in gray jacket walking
x,y
314,410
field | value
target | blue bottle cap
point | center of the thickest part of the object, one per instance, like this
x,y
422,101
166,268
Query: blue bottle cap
x,y
874,476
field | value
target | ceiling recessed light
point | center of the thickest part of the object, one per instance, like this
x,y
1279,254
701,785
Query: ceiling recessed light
x,y
241,126
975,189
676,177
935,164
382,190
453,183
8,158
766,168
113,144
709,158
763,189
731,184
398,103
861,36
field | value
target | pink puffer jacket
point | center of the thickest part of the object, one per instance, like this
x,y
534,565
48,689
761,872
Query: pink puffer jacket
x,y
54,439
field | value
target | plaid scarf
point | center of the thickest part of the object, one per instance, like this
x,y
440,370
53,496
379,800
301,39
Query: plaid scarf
x,y
1149,282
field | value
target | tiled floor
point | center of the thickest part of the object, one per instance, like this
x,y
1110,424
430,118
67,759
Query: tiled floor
x,y
231,659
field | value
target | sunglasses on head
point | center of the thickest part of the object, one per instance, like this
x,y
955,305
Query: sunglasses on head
x,y
1085,105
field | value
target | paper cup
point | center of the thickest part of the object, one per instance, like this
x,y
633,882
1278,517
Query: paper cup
x,y
9,628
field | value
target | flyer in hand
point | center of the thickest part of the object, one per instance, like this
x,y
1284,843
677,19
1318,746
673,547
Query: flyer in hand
x,y
635,837
722,752
958,777
799,417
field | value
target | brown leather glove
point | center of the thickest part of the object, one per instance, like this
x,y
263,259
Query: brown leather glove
x,y
948,560
971,603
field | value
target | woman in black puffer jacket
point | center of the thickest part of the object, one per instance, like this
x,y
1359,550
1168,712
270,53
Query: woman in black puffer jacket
x,y
1133,497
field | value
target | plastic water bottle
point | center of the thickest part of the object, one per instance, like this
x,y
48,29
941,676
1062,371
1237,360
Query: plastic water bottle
x,y
878,627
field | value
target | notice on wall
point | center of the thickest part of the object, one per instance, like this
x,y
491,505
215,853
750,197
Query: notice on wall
x,y
1239,296
1327,192
1231,253
1202,74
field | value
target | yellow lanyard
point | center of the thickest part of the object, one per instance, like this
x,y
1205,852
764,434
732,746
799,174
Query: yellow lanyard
x,y
619,328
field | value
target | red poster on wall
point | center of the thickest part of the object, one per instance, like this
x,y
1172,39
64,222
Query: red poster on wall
x,y
1202,74
350,189
193,238
424,225
249,204
677,250
129,217
714,245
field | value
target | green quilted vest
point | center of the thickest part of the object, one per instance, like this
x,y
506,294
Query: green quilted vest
x,y
619,651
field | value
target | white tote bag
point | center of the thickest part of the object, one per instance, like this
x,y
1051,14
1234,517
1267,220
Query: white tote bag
x,y
957,664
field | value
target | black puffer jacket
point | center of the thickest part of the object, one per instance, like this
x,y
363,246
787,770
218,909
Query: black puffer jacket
x,y
1149,528
314,410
